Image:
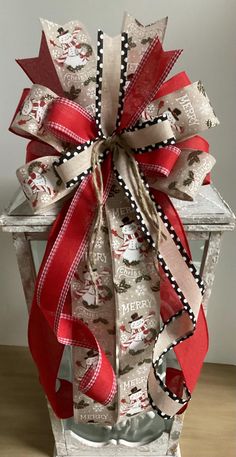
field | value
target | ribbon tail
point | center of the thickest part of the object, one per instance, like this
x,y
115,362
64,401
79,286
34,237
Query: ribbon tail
x,y
147,80
47,353
198,343
44,346
51,324
182,306
190,353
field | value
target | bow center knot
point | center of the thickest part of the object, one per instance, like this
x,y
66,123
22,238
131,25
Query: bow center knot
x,y
112,142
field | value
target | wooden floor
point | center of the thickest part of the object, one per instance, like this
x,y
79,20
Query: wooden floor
x,y
210,421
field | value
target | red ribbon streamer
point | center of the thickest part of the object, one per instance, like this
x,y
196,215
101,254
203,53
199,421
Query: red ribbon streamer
x,y
190,353
51,325
145,82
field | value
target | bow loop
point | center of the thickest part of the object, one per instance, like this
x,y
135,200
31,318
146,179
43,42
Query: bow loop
x,y
69,122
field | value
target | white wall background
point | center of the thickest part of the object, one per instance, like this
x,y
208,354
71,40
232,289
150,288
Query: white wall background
x,y
206,30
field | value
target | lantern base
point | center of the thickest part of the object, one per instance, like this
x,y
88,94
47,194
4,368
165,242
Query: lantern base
x,y
114,453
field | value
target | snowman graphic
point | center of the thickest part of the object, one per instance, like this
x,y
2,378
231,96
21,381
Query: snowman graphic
x,y
139,336
90,362
138,402
74,55
173,117
91,359
131,248
36,182
85,289
34,109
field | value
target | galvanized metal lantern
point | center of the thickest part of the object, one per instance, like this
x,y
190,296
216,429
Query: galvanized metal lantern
x,y
204,220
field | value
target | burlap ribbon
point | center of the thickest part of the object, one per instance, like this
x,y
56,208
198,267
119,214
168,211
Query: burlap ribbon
x,y
143,149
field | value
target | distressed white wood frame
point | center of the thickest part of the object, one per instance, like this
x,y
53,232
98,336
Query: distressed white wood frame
x,y
204,219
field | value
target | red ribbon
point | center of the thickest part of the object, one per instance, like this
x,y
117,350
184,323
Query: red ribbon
x,y
70,122
158,162
145,82
36,149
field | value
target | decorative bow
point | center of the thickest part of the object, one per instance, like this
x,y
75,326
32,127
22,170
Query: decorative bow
x,y
133,130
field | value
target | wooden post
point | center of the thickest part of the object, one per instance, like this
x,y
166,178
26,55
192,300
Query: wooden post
x,y
25,264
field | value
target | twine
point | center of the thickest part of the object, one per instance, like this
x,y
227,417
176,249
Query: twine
x,y
98,186
147,206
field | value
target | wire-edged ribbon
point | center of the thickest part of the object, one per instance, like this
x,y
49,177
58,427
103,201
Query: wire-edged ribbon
x,y
118,134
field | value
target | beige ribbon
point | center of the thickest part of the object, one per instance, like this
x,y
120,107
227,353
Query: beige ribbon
x,y
141,37
178,268
110,83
